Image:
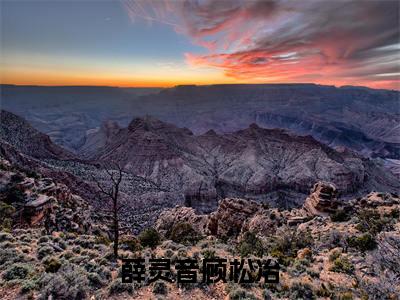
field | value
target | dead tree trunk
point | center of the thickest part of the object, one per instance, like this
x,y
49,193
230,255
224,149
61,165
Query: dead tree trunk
x,y
112,194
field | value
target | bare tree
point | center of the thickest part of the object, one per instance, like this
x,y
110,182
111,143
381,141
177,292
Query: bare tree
x,y
111,192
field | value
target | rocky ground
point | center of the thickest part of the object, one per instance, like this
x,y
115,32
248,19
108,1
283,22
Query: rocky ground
x,y
327,249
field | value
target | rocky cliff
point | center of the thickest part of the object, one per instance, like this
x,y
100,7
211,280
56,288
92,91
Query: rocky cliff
x,y
269,165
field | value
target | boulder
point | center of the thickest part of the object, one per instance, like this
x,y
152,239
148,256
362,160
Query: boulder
x,y
180,214
230,216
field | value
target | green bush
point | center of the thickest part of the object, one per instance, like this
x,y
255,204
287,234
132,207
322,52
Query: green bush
x,y
117,287
334,255
95,280
345,296
45,251
76,249
371,221
363,243
149,238
102,240
208,254
300,290
183,233
10,256
69,283
6,237
340,215
6,213
342,265
241,294
17,271
51,264
131,244
44,239
250,244
28,285
288,242
160,288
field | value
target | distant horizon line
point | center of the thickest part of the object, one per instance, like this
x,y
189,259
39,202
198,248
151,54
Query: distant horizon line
x,y
191,85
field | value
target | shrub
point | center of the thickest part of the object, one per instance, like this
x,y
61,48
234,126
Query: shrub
x,y
241,294
345,296
250,244
363,243
300,290
334,255
102,240
117,287
371,221
300,266
45,251
28,285
183,233
69,283
5,237
6,214
95,280
51,264
288,242
168,253
340,215
76,249
85,241
7,245
31,173
394,213
208,254
16,178
10,256
160,288
14,195
149,238
17,271
342,265
43,239
131,244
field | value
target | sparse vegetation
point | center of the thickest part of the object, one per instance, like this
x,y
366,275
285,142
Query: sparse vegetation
x,y
340,215
117,287
241,294
250,244
183,233
17,271
363,242
343,265
372,222
160,288
149,238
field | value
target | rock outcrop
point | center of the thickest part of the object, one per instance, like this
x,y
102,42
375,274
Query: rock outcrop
x,y
228,220
322,200
180,214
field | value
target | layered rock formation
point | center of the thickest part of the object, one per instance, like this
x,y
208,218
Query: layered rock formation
x,y
268,165
322,200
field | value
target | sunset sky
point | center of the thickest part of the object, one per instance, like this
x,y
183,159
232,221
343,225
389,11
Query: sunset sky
x,y
166,43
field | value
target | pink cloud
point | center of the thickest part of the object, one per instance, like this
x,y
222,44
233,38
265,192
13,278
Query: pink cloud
x,y
335,42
